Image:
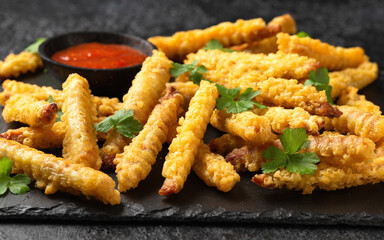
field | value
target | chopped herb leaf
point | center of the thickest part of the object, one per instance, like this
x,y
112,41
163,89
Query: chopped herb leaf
x,y
302,34
196,72
215,44
34,47
320,80
17,184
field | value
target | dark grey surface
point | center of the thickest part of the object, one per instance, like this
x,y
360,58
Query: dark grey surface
x,y
346,23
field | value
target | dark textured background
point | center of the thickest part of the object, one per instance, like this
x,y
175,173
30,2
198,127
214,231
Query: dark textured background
x,y
346,23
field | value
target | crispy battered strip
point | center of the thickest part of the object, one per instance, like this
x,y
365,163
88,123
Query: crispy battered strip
x,y
214,170
55,174
358,122
105,106
238,63
184,147
28,110
379,151
142,97
246,158
247,125
187,89
134,164
359,77
325,177
80,142
177,46
16,64
287,23
350,97
281,119
226,143
333,58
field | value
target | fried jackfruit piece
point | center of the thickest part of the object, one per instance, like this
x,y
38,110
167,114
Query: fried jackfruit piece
x,y
134,164
176,47
358,77
28,110
226,143
141,97
16,64
246,158
357,122
105,106
333,58
247,125
80,142
184,147
55,174
214,170
350,97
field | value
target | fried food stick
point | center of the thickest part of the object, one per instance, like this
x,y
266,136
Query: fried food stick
x,y
28,110
142,97
16,64
247,125
358,122
333,58
105,106
226,143
214,170
134,164
184,147
187,89
80,142
350,97
55,174
246,158
177,46
358,77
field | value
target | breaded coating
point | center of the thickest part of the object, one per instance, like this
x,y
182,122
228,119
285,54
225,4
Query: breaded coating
x,y
247,158
326,177
350,97
105,106
16,64
184,147
333,58
357,122
247,125
80,142
358,77
187,89
226,143
177,46
134,164
55,174
141,97
28,110
278,65
214,170
281,119
379,151
287,23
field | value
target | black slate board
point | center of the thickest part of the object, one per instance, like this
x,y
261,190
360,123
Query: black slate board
x,y
346,23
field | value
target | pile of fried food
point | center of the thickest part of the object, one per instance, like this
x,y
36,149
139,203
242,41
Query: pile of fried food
x,y
347,137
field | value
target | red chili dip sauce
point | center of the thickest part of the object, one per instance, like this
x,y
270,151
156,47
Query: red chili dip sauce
x,y
99,56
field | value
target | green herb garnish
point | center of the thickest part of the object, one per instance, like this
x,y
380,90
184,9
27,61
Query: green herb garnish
x,y
59,112
17,184
320,80
34,47
234,102
302,34
215,44
196,72
293,140
122,121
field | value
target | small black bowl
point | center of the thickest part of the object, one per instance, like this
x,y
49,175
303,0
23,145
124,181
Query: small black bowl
x,y
103,82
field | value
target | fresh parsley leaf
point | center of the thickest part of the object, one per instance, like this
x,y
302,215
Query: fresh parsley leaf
x,y
17,184
59,112
122,121
320,80
293,140
215,44
5,166
302,34
50,99
34,47
177,69
4,183
196,72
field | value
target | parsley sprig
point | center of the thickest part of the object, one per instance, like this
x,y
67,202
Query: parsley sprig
x,y
34,47
302,34
293,140
320,80
234,102
196,72
122,121
215,44
59,112
17,184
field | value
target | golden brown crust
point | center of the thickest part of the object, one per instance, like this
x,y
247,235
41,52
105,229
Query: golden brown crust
x,y
350,97
247,158
226,143
16,64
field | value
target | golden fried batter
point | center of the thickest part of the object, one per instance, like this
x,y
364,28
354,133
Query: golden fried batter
x,y
134,164
176,47
55,174
226,143
247,158
350,97
80,142
333,58
16,64
184,147
28,110
214,170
